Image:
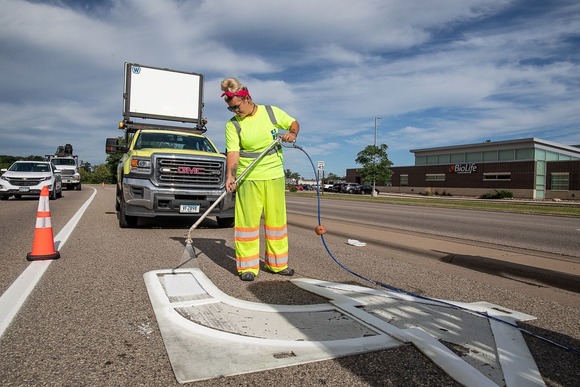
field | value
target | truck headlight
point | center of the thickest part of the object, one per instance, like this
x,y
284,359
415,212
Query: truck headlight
x,y
140,165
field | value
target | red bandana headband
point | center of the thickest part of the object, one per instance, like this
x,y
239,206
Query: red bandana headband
x,y
239,93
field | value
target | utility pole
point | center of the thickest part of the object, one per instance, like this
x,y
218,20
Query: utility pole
x,y
374,193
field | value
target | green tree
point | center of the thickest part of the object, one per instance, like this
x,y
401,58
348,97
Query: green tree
x,y
332,177
102,174
375,162
291,175
113,161
87,166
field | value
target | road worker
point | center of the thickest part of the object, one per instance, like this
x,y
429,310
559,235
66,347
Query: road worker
x,y
262,190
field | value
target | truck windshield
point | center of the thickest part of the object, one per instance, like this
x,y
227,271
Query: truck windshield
x,y
64,162
173,141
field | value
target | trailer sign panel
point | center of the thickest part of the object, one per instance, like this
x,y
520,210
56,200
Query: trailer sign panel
x,y
162,94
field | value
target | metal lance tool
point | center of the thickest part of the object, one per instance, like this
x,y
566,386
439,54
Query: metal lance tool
x,y
189,253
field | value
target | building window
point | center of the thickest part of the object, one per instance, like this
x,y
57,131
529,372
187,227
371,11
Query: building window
x,y
524,154
560,181
431,159
435,177
473,157
503,176
404,180
489,156
457,158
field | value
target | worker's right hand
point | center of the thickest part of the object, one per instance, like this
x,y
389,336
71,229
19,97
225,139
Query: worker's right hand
x,y
230,184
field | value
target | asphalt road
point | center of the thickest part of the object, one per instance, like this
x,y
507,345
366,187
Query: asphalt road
x,y
89,320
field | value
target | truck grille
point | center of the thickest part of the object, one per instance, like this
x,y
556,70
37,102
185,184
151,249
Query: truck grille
x,y
184,172
67,172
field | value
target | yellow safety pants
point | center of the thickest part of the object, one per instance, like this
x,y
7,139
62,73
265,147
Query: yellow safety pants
x,y
254,197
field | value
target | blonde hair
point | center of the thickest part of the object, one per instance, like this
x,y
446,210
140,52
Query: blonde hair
x,y
233,85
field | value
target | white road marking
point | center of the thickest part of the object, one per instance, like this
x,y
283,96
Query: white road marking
x,y
13,298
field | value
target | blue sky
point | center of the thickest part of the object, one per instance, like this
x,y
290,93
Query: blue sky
x,y
437,73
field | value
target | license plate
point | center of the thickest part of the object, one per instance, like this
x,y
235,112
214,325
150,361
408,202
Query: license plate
x,y
24,189
189,208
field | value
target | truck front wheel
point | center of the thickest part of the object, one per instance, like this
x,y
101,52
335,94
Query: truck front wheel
x,y
225,222
78,187
126,221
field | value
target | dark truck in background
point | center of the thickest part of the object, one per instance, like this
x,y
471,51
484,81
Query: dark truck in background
x,y
167,170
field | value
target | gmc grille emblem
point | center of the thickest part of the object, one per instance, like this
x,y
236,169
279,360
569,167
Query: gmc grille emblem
x,y
189,170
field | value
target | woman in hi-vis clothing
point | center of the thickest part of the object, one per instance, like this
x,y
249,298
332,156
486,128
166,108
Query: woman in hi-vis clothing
x,y
262,190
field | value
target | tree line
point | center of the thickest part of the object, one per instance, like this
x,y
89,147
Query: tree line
x,y
373,159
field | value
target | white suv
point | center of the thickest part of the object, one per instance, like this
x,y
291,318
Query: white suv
x,y
28,178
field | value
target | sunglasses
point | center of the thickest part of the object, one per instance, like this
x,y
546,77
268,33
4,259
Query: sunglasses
x,y
233,109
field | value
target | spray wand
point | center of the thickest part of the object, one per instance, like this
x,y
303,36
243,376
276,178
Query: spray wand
x,y
189,253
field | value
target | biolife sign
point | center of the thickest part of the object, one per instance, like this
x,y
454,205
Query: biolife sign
x,y
463,168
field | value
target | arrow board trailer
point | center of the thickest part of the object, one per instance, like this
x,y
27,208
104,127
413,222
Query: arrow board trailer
x,y
162,94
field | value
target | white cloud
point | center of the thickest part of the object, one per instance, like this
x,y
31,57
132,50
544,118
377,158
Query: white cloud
x,y
435,72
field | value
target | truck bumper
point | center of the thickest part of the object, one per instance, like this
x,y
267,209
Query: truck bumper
x,y
70,181
143,199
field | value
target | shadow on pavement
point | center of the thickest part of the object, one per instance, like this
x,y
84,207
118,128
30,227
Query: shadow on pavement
x,y
528,274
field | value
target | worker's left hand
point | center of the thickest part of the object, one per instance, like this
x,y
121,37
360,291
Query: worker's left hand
x,y
289,137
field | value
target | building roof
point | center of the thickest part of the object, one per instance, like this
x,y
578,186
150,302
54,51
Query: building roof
x,y
508,144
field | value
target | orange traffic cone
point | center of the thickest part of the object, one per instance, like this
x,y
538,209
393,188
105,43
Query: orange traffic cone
x,y
43,244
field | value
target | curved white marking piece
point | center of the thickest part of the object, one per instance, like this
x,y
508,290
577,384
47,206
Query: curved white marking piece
x,y
209,334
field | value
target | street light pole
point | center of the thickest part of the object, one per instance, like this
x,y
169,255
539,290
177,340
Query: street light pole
x,y
374,193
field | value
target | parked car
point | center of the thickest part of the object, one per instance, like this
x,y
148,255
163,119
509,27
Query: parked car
x,y
367,189
309,187
351,188
328,187
337,187
28,178
294,187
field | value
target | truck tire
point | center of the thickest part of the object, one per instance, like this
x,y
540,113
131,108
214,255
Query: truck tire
x,y
118,200
78,187
225,222
4,197
126,221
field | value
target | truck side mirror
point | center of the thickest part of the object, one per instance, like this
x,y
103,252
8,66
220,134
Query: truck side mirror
x,y
112,146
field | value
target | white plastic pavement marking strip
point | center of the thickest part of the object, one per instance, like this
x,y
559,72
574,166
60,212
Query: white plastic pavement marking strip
x,y
199,352
449,362
517,363
214,335
515,358
454,366
13,298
